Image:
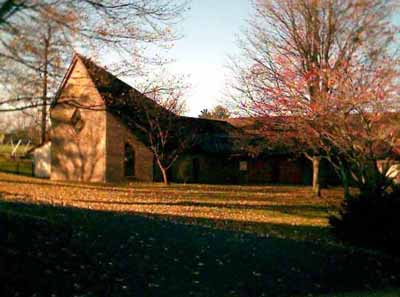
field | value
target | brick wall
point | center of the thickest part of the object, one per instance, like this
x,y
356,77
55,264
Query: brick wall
x,y
212,169
117,136
78,154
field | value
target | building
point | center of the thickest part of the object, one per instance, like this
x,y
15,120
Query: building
x,y
41,156
93,139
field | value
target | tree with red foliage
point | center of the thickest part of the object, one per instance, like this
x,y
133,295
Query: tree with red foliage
x,y
326,72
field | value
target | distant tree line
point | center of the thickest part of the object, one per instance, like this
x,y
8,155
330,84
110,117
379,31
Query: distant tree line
x,y
219,112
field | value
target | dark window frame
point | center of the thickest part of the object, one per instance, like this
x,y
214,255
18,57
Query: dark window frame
x,y
129,160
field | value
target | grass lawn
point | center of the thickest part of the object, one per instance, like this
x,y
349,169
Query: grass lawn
x,y
184,240
17,166
6,149
21,166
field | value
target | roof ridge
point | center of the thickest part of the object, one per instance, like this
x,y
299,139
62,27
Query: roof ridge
x,y
103,68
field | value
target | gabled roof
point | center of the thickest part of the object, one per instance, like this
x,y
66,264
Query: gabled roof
x,y
220,137
248,124
113,90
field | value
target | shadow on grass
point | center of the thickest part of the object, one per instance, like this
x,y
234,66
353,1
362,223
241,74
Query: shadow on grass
x,y
132,255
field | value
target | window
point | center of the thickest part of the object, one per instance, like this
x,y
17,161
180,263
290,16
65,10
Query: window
x,y
76,121
129,161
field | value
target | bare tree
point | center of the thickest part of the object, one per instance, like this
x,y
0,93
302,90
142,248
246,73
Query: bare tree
x,y
8,8
43,48
155,113
298,52
121,29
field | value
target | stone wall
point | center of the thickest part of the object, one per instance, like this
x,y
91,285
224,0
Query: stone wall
x,y
78,133
211,169
220,169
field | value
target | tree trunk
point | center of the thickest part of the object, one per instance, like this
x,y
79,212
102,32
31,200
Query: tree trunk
x,y
315,184
345,182
163,172
165,176
43,125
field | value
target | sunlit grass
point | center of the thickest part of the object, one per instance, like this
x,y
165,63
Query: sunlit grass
x,y
7,149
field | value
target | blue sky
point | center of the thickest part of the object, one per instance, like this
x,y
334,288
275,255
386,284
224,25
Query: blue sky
x,y
210,29
210,32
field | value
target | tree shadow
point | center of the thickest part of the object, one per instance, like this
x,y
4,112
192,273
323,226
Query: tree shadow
x,y
160,256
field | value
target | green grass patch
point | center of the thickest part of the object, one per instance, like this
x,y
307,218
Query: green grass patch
x,y
18,166
7,149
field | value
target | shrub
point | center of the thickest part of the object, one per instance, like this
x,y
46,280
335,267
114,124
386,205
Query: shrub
x,y
370,220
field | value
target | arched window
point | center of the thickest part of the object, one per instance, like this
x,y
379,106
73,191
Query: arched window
x,y
129,161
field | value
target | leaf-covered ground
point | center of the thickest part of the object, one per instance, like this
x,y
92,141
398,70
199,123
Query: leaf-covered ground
x,y
150,240
271,210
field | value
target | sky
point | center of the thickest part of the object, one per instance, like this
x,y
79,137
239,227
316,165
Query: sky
x,y
210,32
